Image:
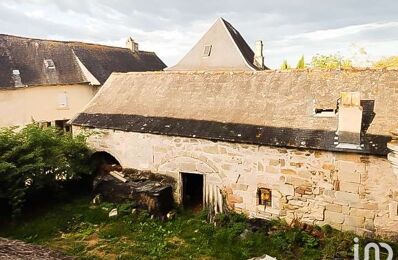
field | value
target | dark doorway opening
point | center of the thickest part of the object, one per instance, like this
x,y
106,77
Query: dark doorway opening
x,y
104,162
192,191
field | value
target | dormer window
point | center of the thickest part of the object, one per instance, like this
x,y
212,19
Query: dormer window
x,y
207,51
49,64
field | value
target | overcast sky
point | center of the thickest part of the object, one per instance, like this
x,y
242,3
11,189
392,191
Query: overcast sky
x,y
289,28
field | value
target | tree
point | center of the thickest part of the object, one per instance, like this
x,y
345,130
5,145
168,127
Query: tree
x,y
34,158
301,63
285,65
330,62
389,62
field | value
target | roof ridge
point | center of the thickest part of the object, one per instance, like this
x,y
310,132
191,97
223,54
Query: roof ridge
x,y
64,42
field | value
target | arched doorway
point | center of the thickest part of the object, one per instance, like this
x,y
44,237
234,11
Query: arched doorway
x,y
104,162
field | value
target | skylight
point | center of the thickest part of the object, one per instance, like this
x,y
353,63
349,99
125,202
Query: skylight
x,y
207,51
49,63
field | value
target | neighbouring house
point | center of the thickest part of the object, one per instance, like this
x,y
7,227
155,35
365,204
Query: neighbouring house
x,y
304,145
222,48
51,81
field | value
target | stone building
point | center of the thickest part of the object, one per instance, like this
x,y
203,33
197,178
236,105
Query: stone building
x,y
305,145
51,81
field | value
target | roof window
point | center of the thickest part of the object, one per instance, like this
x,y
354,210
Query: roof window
x,y
207,51
49,64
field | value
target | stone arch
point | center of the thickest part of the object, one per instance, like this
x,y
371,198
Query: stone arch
x,y
213,178
189,164
101,158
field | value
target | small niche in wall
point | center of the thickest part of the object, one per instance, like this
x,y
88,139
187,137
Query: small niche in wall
x,y
264,197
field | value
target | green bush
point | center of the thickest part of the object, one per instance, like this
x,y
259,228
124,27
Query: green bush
x,y
35,158
330,62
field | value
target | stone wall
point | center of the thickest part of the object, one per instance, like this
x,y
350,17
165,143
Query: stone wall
x,y
348,191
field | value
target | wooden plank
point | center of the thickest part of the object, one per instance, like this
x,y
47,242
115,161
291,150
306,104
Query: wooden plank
x,y
117,176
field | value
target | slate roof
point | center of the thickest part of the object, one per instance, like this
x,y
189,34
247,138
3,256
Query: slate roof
x,y
240,42
273,108
27,55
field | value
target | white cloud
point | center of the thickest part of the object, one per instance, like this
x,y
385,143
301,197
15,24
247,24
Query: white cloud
x,y
170,28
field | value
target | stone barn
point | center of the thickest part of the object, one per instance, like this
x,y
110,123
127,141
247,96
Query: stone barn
x,y
314,146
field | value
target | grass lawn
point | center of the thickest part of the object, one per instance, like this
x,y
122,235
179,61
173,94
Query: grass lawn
x,y
85,231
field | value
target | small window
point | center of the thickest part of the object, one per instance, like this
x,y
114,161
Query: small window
x,y
207,51
63,101
324,112
15,72
264,197
62,125
49,63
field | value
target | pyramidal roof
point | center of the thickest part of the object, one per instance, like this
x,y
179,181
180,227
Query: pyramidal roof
x,y
220,48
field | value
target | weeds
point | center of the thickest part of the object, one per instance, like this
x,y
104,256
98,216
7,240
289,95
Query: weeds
x,y
88,233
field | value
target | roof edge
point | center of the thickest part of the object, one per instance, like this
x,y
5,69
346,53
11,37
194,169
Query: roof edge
x,y
231,132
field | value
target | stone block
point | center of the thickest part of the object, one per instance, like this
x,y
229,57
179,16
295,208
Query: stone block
x,y
318,213
288,171
346,197
239,186
297,203
334,217
273,162
210,149
286,189
271,169
334,208
353,222
369,224
349,187
295,181
350,171
364,213
301,190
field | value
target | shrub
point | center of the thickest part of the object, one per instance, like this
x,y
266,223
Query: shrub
x,y
389,62
330,62
35,158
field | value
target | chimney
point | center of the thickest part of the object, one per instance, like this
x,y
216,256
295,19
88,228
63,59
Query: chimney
x,y
132,45
393,155
16,76
258,55
350,120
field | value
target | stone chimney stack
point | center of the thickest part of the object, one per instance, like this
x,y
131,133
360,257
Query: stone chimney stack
x,y
258,55
393,155
132,45
350,120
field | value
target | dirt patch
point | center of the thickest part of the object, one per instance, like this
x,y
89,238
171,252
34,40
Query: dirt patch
x,y
15,249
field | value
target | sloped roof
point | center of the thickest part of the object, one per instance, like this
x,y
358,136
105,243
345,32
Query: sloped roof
x,y
229,51
266,108
28,55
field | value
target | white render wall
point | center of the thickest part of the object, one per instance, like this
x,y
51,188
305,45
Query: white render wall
x,y
19,106
348,191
